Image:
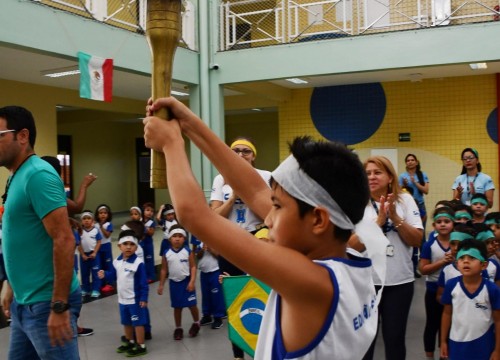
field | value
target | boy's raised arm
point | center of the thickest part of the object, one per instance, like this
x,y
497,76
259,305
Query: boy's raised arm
x,y
240,175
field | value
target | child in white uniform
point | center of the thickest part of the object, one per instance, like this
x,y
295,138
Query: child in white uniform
x,y
178,264
471,312
129,273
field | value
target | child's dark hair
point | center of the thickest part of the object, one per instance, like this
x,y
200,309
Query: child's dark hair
x,y
455,204
493,218
444,210
137,227
478,196
338,170
148,204
96,214
480,227
465,228
462,207
52,160
474,244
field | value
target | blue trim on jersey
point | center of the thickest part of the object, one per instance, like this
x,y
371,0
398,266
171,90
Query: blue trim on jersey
x,y
352,260
279,352
466,292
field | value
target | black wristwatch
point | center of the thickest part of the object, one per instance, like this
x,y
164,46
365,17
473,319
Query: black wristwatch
x,y
59,306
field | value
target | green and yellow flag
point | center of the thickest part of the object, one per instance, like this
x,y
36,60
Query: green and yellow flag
x,y
246,299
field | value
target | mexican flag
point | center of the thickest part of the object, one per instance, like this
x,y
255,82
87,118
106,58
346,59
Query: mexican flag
x,y
96,77
246,299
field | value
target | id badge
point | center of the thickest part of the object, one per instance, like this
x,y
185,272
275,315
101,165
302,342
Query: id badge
x,y
389,251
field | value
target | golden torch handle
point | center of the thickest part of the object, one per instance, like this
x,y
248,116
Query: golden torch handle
x,y
163,31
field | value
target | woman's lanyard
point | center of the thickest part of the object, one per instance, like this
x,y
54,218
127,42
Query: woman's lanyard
x,y
386,227
467,185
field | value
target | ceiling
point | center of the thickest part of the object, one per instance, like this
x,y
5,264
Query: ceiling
x,y
24,66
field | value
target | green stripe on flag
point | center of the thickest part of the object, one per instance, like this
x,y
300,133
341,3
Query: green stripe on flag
x,y
245,298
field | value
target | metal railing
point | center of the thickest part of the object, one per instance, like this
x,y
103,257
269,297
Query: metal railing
x,y
256,23
126,14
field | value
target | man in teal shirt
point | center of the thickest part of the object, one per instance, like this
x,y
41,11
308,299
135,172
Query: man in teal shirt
x,y
43,297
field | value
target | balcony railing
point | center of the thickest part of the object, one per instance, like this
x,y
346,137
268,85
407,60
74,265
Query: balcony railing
x,y
126,14
256,23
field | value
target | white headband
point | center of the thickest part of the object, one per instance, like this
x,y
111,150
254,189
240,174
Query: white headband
x,y
301,186
171,211
102,207
136,208
177,231
128,238
86,213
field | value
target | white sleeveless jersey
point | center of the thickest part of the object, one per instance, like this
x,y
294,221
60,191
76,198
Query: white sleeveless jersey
x,y
350,326
125,278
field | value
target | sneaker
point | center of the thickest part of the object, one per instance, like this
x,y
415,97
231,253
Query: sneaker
x,y
148,335
217,324
107,289
137,351
194,330
206,320
178,334
126,346
85,331
95,294
85,293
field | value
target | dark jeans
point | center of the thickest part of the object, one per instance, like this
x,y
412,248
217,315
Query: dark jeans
x,y
393,310
433,312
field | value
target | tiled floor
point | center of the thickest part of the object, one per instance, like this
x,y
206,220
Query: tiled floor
x,y
102,315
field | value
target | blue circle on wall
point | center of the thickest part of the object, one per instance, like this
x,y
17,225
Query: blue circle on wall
x,y
348,113
492,125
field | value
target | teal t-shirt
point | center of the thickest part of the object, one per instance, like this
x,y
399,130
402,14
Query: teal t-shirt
x,y
35,191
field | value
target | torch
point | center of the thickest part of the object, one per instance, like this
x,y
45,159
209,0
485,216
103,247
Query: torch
x,y
163,31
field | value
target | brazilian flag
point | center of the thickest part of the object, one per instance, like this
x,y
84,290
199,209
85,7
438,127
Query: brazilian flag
x,y
246,299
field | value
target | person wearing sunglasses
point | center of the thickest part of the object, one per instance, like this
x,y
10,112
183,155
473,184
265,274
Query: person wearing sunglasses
x,y
472,180
227,203
42,295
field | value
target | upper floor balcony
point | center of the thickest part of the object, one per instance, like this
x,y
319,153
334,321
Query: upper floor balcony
x,y
257,23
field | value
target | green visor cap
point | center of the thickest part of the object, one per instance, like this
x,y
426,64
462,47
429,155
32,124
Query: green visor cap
x,y
472,252
479,200
460,236
485,235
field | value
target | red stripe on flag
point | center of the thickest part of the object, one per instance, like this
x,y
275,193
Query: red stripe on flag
x,y
107,69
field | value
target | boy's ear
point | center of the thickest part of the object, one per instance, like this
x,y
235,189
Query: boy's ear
x,y
321,220
484,265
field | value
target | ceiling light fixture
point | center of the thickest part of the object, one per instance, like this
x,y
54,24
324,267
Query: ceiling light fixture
x,y
178,93
60,72
256,109
297,81
478,66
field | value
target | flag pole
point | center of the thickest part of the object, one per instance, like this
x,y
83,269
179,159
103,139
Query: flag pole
x,y
163,32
